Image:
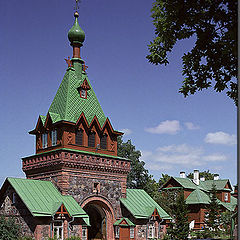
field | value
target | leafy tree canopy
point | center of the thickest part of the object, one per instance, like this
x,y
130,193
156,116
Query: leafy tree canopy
x,y
206,174
212,62
138,176
9,230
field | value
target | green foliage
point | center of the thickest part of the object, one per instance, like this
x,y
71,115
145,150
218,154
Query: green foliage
x,y
213,211
179,229
9,230
25,238
206,174
225,219
212,62
202,234
138,176
163,179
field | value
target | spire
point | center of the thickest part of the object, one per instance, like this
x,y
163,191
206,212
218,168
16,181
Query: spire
x,y
76,37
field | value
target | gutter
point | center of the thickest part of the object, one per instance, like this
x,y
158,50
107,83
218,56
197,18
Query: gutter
x,y
69,225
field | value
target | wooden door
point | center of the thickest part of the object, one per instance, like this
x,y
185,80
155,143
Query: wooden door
x,y
124,233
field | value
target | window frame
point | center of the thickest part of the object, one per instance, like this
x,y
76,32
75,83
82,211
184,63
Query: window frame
x,y
103,143
151,228
54,137
83,95
132,232
117,232
44,140
84,230
226,197
78,131
91,140
57,227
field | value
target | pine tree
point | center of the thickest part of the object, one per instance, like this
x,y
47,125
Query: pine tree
x,y
213,211
180,227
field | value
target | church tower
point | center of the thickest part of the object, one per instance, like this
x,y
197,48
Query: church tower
x,y
76,146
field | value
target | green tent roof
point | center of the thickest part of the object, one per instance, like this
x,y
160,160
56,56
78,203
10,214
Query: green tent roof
x,y
141,205
67,104
198,197
43,199
186,182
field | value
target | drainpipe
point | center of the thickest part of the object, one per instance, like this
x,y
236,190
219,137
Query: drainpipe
x,y
69,225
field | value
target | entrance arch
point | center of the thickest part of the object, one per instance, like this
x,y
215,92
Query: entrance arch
x,y
101,217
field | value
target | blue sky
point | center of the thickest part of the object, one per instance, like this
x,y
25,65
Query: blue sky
x,y
173,133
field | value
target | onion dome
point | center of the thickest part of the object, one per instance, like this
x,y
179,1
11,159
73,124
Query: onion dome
x,y
76,35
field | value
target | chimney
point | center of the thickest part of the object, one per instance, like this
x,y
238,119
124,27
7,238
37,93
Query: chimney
x,y
202,179
196,177
182,175
216,177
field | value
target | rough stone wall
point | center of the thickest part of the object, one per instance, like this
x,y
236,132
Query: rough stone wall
x,y
18,211
82,187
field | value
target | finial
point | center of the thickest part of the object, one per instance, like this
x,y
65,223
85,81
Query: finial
x,y
77,7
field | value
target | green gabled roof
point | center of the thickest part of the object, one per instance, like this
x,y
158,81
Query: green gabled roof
x,y
141,205
128,221
186,182
43,199
69,105
231,205
198,197
208,184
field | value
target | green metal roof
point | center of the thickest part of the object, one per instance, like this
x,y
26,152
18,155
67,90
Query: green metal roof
x,y
186,182
208,184
141,205
230,206
43,199
129,222
67,104
198,197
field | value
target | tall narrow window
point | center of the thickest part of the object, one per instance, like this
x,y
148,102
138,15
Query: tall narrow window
x,y
117,232
58,230
91,139
79,137
151,231
54,137
103,142
44,140
131,232
225,197
13,198
84,233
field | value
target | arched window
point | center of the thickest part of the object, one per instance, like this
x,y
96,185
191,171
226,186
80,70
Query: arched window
x,y
91,139
79,137
103,141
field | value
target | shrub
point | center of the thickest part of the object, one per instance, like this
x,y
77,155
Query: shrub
x,y
9,230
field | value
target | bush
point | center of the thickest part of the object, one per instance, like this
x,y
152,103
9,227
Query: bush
x,y
74,238
9,230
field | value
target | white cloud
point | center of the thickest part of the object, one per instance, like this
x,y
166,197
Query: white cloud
x,y
126,131
167,127
221,138
181,156
191,126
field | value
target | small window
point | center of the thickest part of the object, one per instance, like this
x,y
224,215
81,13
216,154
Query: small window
x,y
103,142
225,197
131,232
13,198
151,230
84,233
54,137
91,139
83,93
58,230
44,140
79,137
117,232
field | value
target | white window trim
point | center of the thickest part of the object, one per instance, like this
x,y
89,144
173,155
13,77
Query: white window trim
x,y
54,137
117,231
84,230
58,227
152,235
131,232
44,140
225,197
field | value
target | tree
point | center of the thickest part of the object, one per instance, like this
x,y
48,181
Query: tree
x,y
9,230
212,219
206,174
138,176
179,229
212,62
163,179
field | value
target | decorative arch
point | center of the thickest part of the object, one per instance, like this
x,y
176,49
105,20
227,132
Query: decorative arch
x,y
106,207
